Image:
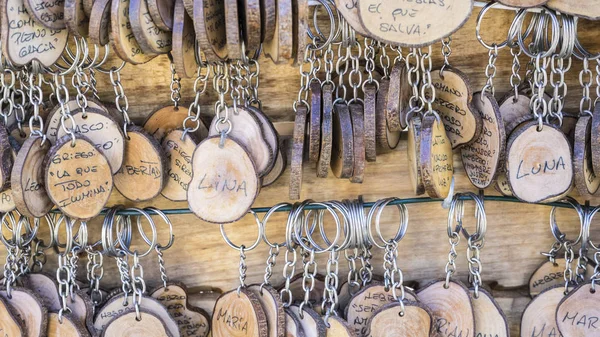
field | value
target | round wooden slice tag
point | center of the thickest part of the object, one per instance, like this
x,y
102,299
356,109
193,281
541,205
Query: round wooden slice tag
x,y
142,175
292,325
179,164
184,42
161,13
358,133
78,178
224,176
25,40
6,158
337,327
49,14
169,118
251,24
595,138
451,308
239,315
312,324
209,23
523,3
275,314
270,135
151,38
489,318
7,201
386,139
538,164
29,309
436,158
349,10
268,16
66,326
76,19
10,324
414,24
192,321
53,120
587,10
297,153
387,321
314,124
127,324
342,149
277,171
578,314
551,274
539,317
453,101
233,36
514,111
483,156
398,95
99,26
326,132
280,47
370,104
122,38
586,181
413,149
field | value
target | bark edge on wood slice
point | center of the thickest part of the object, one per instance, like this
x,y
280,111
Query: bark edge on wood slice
x,y
246,307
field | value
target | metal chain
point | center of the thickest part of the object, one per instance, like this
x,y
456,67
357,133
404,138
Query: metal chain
x,y
366,269
341,68
474,246
328,57
242,269
73,264
63,277
39,258
490,70
7,88
93,83
330,293
123,266
393,276
427,88
36,98
569,257
538,104
597,82
271,261
200,85
515,77
353,272
305,77
175,86
452,255
384,59
355,78
370,58
62,97
161,265
221,86
289,269
585,80
254,82
559,92
138,285
596,277
446,52
308,277
95,272
121,101
416,102
80,82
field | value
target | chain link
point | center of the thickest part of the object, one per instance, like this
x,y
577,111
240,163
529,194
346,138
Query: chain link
x,y
138,285
569,257
473,249
559,92
175,86
446,52
95,272
330,293
242,269
452,255
540,80
271,261
515,77
289,269
490,70
427,88
121,101
161,265
308,276
416,102
586,79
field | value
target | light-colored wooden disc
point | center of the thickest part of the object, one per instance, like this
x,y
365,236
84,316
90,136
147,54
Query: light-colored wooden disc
x,y
523,3
99,22
179,164
6,158
342,149
28,308
27,179
280,47
586,181
127,324
184,42
26,40
278,169
502,184
78,178
48,14
169,118
247,130
345,294
451,308
386,139
413,149
7,202
312,324
10,324
416,24
268,129
273,307
314,123
338,328
53,121
387,321
349,10
192,321
550,274
66,326
161,13
370,104
578,313
514,111
358,145
489,317
453,101
588,10
150,37
436,158
224,176
482,157
76,19
539,317
538,163
233,36
209,23
397,97
326,132
142,174
251,24
122,38
104,132
292,325
297,153
239,315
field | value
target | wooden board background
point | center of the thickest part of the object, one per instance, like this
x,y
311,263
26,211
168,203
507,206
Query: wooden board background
x,y
516,235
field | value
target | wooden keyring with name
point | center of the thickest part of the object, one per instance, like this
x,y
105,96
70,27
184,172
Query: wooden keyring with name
x,y
209,23
411,320
179,147
126,323
489,317
273,307
586,181
398,95
151,38
99,22
122,37
436,158
161,12
10,322
246,308
75,18
48,14
386,139
450,302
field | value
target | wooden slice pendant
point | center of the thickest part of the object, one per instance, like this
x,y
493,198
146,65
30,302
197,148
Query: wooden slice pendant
x,y
436,158
588,10
314,124
453,101
239,315
78,178
397,97
326,132
578,313
300,28
451,308
539,317
551,274
142,175
483,156
233,35
7,201
151,38
338,328
595,138
502,184
349,10
184,42
413,149
312,324
386,139
370,104
280,47
489,318
420,25
251,23
10,324
179,164
53,120
99,18
268,16
122,38
270,135
278,169
161,13
523,3
28,308
26,40
387,321
192,321
273,307
50,15
75,17
104,132
248,131
514,111
358,144
586,181
297,153
209,23
538,164
169,118
293,328
224,176
6,158
569,122
66,326
127,324
342,149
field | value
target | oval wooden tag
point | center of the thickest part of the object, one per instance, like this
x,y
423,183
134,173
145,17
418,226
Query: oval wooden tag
x,y
326,132
586,181
99,26
539,317
453,101
588,10
49,14
416,322
436,158
280,47
386,139
483,156
224,176
514,111
300,24
53,120
78,178
142,175
312,324
75,18
549,275
489,318
414,24
578,313
451,308
278,169
169,118
10,324
538,164
65,327
273,307
192,321
127,324
342,149
314,124
209,23
161,13
370,104
292,326
358,144
6,158
29,309
349,10
179,164
397,97
184,42
523,3
152,39
239,315
25,40
413,149
270,135
122,38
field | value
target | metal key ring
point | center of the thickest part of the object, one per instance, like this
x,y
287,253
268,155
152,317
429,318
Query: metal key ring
x,y
331,243
455,213
377,210
332,28
478,28
580,48
556,232
109,245
589,218
68,245
50,219
291,238
344,210
541,24
24,221
4,222
166,219
480,220
265,220
258,238
62,71
126,248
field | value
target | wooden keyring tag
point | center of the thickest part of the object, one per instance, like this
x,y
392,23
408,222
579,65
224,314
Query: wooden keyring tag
x,y
6,158
233,35
192,321
386,139
10,323
280,47
184,42
538,164
50,15
122,38
151,38
222,175
270,135
273,307
75,18
342,150
451,307
370,124
436,158
161,13
358,144
540,314
349,10
169,118
337,327
397,97
523,3
268,16
7,201
29,309
587,10
299,27
326,132
179,164
577,313
126,323
489,317
412,320
142,174
413,149
550,274
278,168
78,177
314,124
99,22
586,181
251,24
52,126
65,326
595,138
297,153
239,314
482,158
26,40
209,23
312,324
292,325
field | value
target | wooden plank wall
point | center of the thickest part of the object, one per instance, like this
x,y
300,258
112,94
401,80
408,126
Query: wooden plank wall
x,y
516,235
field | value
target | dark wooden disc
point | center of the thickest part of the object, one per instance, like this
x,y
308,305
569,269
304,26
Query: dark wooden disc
x,y
326,132
184,42
314,123
29,309
413,148
209,23
312,324
436,158
251,24
122,37
451,308
397,97
297,153
586,181
274,311
386,139
151,38
358,144
161,13
370,99
342,150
